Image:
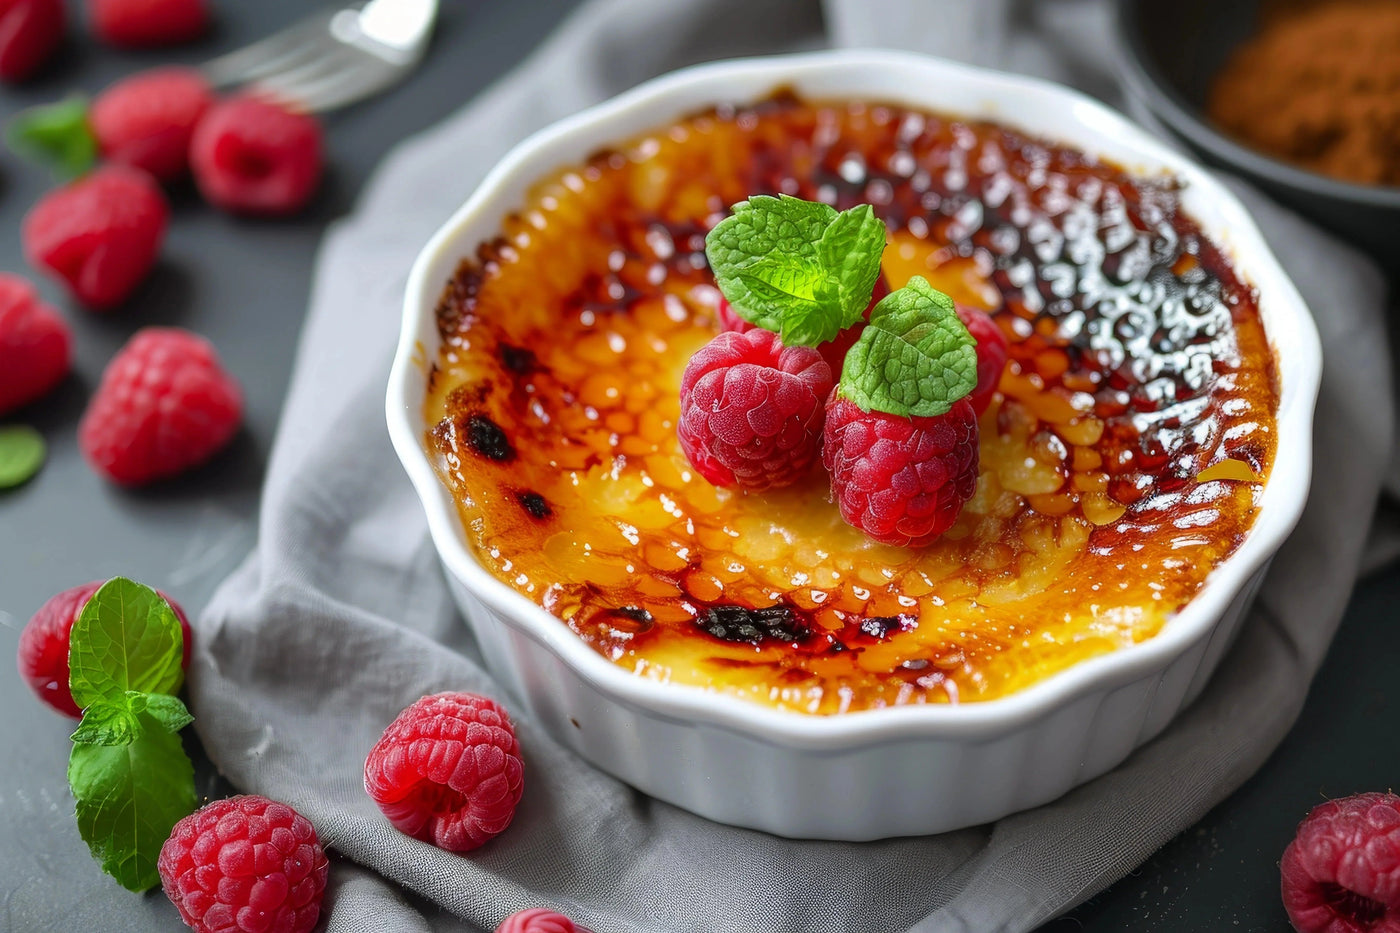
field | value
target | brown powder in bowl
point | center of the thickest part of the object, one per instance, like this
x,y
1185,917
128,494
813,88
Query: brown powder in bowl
x,y
1319,86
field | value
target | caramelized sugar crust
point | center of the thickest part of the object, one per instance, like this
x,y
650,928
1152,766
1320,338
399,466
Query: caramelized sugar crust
x,y
1123,458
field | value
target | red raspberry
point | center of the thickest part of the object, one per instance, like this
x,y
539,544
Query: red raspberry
x,y
902,481
751,410
100,235
538,920
147,120
729,320
165,404
992,351
35,346
251,156
1341,873
29,31
43,645
448,771
244,864
144,23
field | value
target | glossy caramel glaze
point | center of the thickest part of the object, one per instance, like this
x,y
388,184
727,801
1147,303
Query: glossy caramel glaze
x,y
1121,461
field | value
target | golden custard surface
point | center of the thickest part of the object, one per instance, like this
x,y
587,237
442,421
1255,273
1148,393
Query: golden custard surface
x,y
1121,460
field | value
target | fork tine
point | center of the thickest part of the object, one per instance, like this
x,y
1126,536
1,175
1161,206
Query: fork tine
x,y
334,65
290,44
326,94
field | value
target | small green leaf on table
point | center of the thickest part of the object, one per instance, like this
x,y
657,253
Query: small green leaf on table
x,y
22,452
55,135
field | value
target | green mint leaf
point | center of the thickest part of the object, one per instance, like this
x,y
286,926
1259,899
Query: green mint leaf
x,y
56,136
850,251
167,710
126,639
22,452
129,797
797,267
914,358
108,724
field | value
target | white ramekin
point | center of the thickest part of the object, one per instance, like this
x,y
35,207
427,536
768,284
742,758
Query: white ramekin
x,y
888,772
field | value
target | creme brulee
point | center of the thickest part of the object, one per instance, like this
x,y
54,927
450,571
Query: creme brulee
x,y
1122,459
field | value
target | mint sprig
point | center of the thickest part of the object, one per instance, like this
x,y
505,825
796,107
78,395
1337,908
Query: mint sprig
x,y
914,358
55,135
128,772
799,268
22,452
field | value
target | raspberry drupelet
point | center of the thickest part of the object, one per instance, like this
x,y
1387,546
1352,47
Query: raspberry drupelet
x,y
751,410
900,480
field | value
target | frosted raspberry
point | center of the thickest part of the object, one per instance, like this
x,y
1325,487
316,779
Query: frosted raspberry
x,y
729,320
244,865
165,404
991,354
751,410
538,920
448,771
146,120
35,345
900,480
833,351
100,235
1341,873
43,645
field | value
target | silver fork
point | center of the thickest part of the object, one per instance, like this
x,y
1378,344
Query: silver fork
x,y
332,58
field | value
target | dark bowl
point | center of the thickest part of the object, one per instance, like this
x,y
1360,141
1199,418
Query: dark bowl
x,y
1170,52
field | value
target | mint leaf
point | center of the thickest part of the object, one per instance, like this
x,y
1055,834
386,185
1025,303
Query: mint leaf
x,y
846,249
107,723
126,639
22,452
797,267
55,135
129,798
166,710
914,358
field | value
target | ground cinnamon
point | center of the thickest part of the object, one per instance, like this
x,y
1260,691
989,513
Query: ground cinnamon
x,y
1319,86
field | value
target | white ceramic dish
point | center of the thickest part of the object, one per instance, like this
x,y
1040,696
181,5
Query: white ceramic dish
x,y
888,772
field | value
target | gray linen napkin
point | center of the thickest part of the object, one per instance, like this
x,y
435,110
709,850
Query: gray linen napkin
x,y
341,618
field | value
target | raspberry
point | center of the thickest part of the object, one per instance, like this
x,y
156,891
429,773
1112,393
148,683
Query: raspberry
x,y
242,865
29,31
751,410
147,120
100,235
144,23
900,480
991,354
1341,873
729,320
251,156
538,920
35,346
165,404
43,645
448,771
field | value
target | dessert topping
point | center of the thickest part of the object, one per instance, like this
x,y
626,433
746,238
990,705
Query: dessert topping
x,y
1342,871
751,410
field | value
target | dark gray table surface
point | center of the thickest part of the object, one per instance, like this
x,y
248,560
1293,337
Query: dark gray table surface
x,y
67,526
